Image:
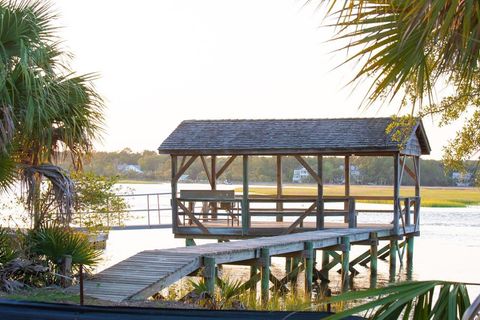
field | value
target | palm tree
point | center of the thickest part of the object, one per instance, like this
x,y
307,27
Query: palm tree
x,y
408,49
45,108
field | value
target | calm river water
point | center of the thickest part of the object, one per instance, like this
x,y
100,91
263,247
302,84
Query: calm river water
x,y
448,248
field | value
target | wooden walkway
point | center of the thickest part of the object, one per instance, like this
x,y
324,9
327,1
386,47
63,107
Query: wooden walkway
x,y
148,272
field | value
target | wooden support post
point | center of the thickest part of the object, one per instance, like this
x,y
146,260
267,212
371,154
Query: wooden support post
x,y
309,260
288,265
325,262
245,204
189,242
209,274
373,260
416,215
213,183
393,259
294,278
345,263
320,203
265,273
253,288
174,194
352,219
279,217
66,271
410,241
407,211
347,184
81,284
396,193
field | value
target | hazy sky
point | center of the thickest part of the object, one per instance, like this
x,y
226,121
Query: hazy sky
x,y
165,61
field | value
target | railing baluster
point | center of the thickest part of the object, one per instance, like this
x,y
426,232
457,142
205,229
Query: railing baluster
x,y
158,207
148,209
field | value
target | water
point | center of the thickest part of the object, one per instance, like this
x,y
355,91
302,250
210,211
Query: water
x,y
448,248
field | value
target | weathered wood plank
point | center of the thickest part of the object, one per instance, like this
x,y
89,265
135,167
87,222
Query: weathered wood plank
x,y
148,272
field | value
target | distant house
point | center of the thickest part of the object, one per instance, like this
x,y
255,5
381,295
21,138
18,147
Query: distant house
x,y
354,173
125,168
300,175
462,179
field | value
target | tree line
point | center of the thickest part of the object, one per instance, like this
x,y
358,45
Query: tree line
x,y
149,165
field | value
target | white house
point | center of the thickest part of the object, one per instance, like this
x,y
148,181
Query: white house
x,y
462,179
299,175
129,168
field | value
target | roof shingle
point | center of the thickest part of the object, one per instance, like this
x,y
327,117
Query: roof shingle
x,y
284,136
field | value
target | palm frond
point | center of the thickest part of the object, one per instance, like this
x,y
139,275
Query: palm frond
x,y
56,242
407,46
408,300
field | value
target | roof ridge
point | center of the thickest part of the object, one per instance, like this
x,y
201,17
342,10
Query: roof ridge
x,y
285,119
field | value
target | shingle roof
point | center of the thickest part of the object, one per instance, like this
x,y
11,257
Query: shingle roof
x,y
341,135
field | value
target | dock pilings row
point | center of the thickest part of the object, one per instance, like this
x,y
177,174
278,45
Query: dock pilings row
x,y
335,258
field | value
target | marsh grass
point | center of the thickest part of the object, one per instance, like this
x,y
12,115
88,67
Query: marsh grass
x,y
431,196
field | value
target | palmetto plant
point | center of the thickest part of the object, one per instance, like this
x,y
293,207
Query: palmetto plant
x,y
408,300
54,243
7,250
44,107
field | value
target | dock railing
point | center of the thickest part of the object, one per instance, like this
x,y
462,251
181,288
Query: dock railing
x,y
145,210
227,213
260,215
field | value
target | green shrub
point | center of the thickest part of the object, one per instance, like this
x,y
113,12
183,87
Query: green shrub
x,y
55,242
7,250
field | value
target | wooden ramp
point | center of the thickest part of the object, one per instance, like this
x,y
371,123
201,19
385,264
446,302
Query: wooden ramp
x,y
148,272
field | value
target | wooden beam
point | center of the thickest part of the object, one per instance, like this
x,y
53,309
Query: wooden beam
x,y
209,274
300,219
225,166
193,218
183,161
347,175
402,169
309,261
320,221
245,204
207,172
396,193
408,170
213,174
279,204
182,170
213,183
410,241
373,261
174,193
393,260
265,275
345,263
309,169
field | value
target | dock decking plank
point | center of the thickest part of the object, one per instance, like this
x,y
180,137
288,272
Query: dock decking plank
x,y
148,272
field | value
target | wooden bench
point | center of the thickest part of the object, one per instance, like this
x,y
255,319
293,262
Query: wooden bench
x,y
212,201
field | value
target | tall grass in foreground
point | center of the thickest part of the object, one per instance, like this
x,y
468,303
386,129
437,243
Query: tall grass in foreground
x,y
404,300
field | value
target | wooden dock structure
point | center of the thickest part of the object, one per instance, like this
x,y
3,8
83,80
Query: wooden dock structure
x,y
294,227
148,272
225,214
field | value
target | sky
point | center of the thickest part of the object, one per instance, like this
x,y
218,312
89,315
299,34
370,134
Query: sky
x,y
164,61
